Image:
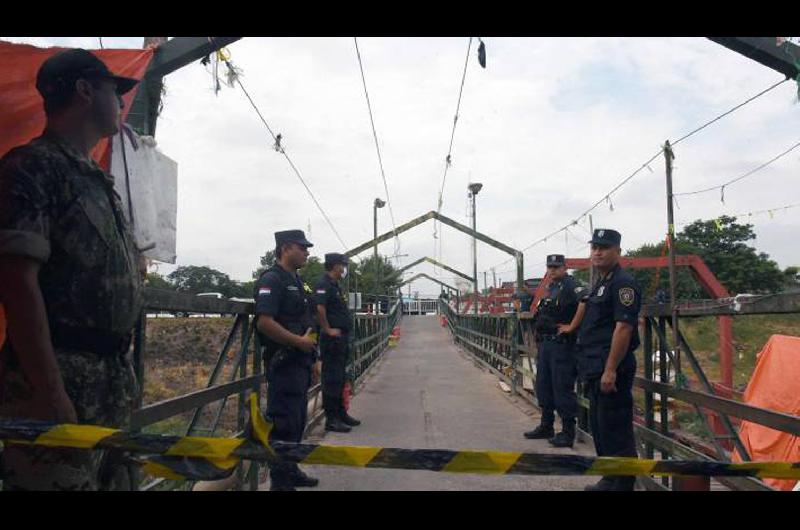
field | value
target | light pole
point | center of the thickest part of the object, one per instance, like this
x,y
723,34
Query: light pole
x,y
474,188
375,205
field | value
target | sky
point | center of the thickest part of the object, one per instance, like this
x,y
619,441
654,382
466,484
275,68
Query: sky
x,y
549,127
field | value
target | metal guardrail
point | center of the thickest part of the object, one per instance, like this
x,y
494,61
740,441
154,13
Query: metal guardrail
x,y
370,337
503,344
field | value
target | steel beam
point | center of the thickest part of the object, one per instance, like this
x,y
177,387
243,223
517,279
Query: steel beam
x,y
423,275
437,263
167,58
781,57
518,257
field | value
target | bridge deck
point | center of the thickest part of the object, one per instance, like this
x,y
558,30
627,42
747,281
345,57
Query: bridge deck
x,y
426,394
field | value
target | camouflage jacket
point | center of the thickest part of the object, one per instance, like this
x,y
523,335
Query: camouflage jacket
x,y
60,209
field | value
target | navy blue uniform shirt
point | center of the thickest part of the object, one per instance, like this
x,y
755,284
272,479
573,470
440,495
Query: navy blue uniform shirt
x,y
327,293
560,304
615,298
281,295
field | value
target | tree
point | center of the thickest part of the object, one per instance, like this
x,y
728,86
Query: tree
x,y
371,270
193,279
312,271
721,243
267,261
156,281
791,276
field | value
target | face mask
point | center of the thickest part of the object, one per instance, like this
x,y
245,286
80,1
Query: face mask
x,y
344,272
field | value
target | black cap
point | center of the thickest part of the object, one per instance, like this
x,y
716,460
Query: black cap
x,y
334,258
61,70
556,260
292,236
605,236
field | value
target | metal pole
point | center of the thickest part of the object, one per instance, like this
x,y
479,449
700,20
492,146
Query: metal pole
x,y
669,156
494,278
474,259
375,236
484,282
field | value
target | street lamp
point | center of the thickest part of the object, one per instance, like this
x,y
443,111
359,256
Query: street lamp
x,y
474,188
375,205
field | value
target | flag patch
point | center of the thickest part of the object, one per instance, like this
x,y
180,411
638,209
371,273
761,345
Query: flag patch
x,y
320,291
264,290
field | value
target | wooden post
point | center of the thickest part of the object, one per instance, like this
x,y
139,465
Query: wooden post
x,y
669,156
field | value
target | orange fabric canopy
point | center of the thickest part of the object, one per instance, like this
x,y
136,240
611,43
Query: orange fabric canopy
x,y
774,385
21,109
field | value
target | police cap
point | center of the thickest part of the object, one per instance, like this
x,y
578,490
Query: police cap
x,y
556,260
607,237
334,258
292,236
59,72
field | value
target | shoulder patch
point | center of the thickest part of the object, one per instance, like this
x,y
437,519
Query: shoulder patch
x,y
321,291
264,291
627,296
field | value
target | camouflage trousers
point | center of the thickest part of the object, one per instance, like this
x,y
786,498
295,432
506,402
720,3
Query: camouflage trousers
x,y
103,390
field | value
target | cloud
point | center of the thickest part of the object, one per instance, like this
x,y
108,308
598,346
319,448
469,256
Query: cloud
x,y
550,126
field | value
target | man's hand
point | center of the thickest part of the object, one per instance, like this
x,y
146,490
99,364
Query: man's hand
x,y
564,329
333,332
316,371
608,382
306,343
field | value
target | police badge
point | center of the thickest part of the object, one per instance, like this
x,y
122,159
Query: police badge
x,y
627,296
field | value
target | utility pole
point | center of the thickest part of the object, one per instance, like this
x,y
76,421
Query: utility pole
x,y
485,287
669,156
494,278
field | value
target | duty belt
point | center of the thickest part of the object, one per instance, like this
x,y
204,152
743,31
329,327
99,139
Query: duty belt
x,y
99,341
562,339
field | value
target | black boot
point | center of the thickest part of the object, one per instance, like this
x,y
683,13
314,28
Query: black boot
x,y
281,477
566,437
348,419
541,432
334,424
301,480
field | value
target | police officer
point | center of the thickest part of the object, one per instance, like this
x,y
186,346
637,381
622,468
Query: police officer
x,y
70,280
556,364
335,322
607,338
285,324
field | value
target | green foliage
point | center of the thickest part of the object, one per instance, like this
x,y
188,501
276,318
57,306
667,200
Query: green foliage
x,y
740,268
267,261
370,271
193,279
313,271
157,281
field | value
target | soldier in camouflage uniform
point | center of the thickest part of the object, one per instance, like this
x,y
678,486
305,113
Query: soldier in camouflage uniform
x,y
71,280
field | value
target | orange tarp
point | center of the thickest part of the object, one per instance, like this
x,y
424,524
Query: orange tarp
x,y
21,110
774,385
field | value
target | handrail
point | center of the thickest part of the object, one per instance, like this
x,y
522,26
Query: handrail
x,y
370,334
486,337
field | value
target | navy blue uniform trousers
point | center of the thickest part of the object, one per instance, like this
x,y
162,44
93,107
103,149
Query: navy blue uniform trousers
x,y
556,371
288,382
334,361
611,415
